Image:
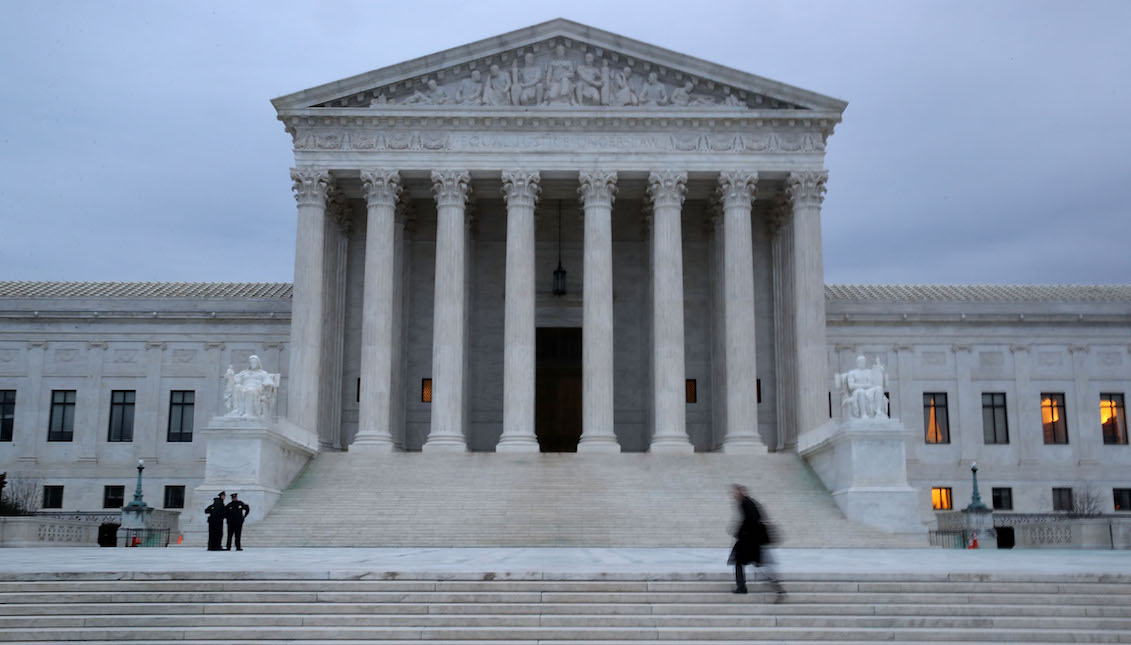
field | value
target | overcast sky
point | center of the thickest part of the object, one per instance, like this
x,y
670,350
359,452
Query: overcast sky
x,y
984,142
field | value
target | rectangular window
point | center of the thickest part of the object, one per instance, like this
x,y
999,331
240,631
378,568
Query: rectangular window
x,y
52,497
122,415
1003,499
941,500
936,422
174,497
426,390
995,429
1053,418
61,427
181,406
1122,498
1112,418
691,394
113,496
7,414
1062,499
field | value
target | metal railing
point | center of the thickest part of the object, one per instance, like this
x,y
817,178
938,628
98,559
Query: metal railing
x,y
949,538
143,537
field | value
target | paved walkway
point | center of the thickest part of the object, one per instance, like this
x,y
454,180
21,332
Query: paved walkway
x,y
534,563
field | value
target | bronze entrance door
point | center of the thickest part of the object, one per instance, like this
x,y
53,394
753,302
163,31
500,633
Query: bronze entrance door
x,y
557,399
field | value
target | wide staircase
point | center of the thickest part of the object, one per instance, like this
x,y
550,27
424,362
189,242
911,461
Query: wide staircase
x,y
536,609
491,499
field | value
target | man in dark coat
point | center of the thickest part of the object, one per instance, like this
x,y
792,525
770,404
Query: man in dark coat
x,y
750,536
215,513
236,512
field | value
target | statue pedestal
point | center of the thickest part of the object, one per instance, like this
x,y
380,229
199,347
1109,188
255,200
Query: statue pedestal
x,y
255,457
864,463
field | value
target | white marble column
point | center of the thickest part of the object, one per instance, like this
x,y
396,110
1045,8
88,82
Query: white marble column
x,y
307,316
597,431
381,188
520,189
806,190
780,226
452,189
736,192
669,408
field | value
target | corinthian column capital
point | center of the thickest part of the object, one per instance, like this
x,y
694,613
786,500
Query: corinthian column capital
x,y
737,187
451,187
381,186
667,187
310,186
521,187
806,188
597,187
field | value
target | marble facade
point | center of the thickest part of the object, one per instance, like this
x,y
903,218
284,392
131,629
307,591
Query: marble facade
x,y
428,201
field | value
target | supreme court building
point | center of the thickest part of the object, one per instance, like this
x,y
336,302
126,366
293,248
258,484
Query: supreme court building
x,y
564,240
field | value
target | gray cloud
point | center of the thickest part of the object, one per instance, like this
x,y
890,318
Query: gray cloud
x,y
984,142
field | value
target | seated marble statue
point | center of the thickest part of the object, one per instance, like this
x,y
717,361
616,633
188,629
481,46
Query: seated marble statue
x,y
863,391
252,392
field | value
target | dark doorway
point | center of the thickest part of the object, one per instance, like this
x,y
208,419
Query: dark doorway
x,y
557,399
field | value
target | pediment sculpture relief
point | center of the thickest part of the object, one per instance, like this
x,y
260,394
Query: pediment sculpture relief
x,y
554,75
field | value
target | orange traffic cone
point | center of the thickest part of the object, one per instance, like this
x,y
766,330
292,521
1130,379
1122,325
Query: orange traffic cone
x,y
137,541
973,541
180,538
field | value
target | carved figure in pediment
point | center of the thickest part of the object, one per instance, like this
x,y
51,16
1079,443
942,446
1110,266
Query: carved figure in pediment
x,y
497,89
435,95
528,85
380,100
653,92
591,82
561,75
682,95
730,100
621,93
471,89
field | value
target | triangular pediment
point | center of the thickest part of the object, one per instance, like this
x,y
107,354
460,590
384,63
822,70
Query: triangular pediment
x,y
557,65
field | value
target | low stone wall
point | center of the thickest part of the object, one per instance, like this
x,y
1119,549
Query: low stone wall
x,y
1075,533
35,530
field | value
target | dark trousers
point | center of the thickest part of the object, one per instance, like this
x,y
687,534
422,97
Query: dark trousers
x,y
215,534
740,578
234,529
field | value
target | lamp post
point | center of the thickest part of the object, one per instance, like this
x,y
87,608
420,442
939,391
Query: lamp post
x,y
975,499
979,518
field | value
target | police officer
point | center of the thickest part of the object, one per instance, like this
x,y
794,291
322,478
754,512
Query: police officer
x,y
235,513
216,512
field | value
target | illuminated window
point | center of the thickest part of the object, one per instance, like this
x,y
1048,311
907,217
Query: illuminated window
x,y
1053,418
941,500
1122,498
995,429
1112,418
936,422
1003,499
692,394
1062,499
426,390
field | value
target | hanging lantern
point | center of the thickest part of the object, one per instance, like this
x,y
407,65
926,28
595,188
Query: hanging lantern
x,y
559,273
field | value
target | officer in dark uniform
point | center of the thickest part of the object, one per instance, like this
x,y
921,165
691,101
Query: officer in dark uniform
x,y
236,512
215,513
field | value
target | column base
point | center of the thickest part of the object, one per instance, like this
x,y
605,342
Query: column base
x,y
744,446
444,444
600,444
372,445
517,444
671,446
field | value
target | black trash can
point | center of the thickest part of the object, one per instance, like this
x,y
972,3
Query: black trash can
x,y
108,534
